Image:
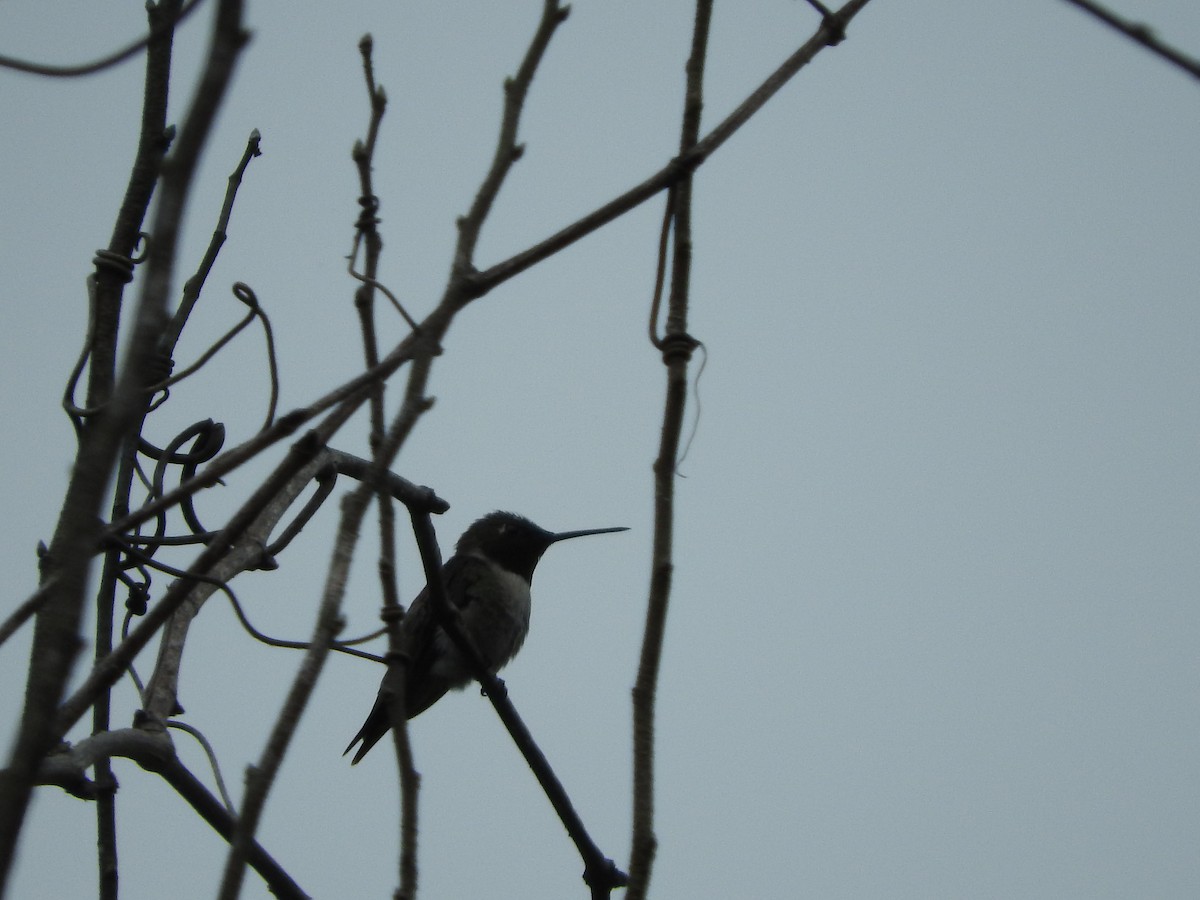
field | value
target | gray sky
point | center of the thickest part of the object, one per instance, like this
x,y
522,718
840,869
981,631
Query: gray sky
x,y
934,625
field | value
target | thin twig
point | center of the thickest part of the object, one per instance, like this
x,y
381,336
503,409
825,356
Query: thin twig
x,y
20,65
212,760
326,479
26,609
367,235
660,271
374,283
339,646
363,639
194,285
1143,35
508,151
204,357
826,35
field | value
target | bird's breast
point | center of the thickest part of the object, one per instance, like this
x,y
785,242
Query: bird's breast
x,y
498,614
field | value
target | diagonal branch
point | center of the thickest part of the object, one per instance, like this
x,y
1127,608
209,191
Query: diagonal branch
x,y
162,689
831,30
600,873
1141,34
109,670
153,751
508,151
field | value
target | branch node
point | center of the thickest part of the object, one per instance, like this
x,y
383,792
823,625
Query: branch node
x,y
832,22
678,347
498,689
266,561
605,877
391,614
121,266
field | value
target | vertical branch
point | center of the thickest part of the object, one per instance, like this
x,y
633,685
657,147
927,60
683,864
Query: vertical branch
x,y
410,785
457,294
676,346
367,233
113,268
110,279
56,639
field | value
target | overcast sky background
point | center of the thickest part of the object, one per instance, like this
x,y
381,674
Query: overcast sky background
x,y
934,629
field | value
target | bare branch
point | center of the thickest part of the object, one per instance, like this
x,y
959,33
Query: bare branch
x,y
411,495
1143,35
108,670
9,62
244,553
828,34
153,751
25,610
600,873
210,809
57,639
200,739
508,151
676,349
367,234
261,777
194,285
285,644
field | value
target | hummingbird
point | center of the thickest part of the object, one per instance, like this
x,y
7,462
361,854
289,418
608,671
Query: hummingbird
x,y
488,580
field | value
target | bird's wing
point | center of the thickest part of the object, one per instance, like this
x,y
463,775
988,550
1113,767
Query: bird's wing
x,y
428,642
422,688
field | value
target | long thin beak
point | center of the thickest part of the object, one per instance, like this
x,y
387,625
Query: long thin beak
x,y
567,535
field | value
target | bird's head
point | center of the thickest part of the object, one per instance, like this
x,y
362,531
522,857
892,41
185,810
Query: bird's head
x,y
514,542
